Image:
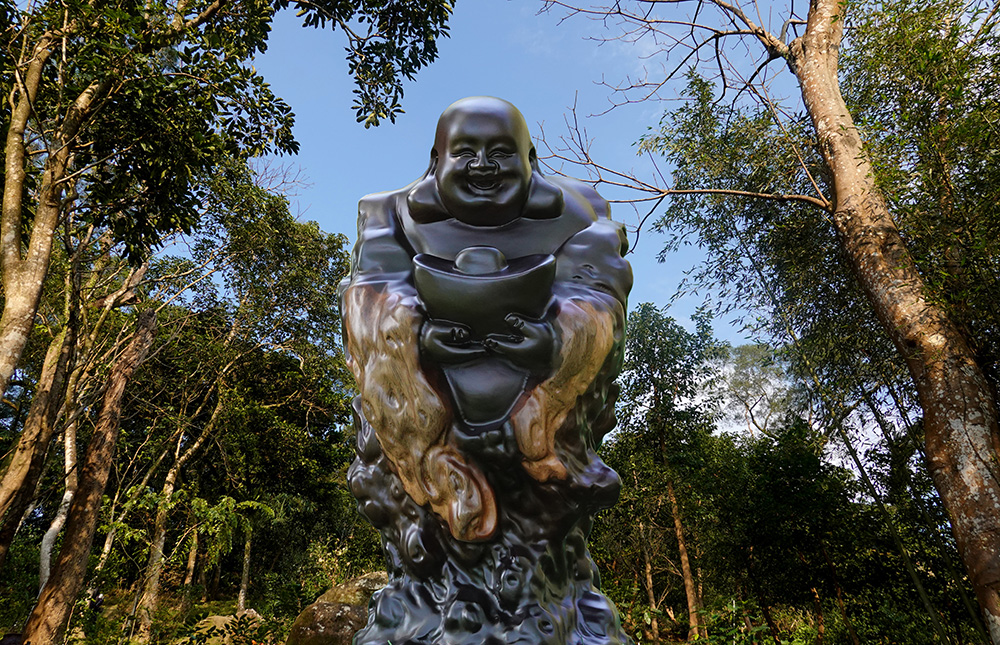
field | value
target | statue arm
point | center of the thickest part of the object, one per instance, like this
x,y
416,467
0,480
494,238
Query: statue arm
x,y
593,281
382,256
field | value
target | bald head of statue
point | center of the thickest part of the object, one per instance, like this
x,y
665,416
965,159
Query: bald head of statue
x,y
483,170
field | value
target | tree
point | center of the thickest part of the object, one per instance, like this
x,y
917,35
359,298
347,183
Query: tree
x,y
57,598
277,317
945,70
114,108
248,322
758,389
780,540
664,422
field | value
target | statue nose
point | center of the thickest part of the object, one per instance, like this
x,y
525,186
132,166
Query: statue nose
x,y
481,161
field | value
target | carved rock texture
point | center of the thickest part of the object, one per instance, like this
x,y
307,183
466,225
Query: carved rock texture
x,y
533,583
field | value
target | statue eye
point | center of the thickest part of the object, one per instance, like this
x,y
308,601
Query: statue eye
x,y
464,152
501,153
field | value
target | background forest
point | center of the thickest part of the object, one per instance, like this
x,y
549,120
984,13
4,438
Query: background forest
x,y
175,427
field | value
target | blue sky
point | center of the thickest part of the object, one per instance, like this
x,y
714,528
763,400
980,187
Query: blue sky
x,y
501,48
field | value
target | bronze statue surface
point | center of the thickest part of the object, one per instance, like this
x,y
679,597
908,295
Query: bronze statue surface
x,y
483,321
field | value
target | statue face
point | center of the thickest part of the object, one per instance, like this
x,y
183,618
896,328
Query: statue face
x,y
483,166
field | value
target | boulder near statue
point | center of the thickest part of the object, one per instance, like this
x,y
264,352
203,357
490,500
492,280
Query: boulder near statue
x,y
484,321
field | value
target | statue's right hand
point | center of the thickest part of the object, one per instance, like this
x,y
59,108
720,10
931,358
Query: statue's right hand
x,y
447,342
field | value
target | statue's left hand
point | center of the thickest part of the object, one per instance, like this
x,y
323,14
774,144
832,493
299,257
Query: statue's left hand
x,y
532,344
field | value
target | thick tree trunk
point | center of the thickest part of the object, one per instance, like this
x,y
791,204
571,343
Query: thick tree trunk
x,y
49,617
23,267
960,409
690,588
192,563
22,282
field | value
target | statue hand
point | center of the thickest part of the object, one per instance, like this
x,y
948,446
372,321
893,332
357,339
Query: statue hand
x,y
532,343
447,342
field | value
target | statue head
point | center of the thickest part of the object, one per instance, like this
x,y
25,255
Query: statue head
x,y
483,170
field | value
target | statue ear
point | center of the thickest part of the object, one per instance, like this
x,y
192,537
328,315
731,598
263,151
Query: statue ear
x,y
423,200
545,199
533,159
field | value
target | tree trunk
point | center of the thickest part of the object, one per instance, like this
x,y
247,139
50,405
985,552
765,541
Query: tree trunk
x,y
840,595
25,466
127,507
189,569
10,527
22,282
690,588
56,383
216,581
24,275
820,619
765,607
49,539
766,610
241,599
960,409
654,625
203,581
154,566
48,619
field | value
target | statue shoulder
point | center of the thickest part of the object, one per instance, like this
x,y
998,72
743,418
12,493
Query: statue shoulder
x,y
379,209
594,258
382,247
581,195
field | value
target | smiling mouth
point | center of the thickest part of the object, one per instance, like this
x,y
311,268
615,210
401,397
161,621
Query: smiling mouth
x,y
484,183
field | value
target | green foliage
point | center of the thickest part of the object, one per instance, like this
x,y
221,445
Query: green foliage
x,y
727,625
254,360
249,357
19,580
776,532
665,426
770,257
921,82
923,79
920,79
775,504
175,93
388,41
